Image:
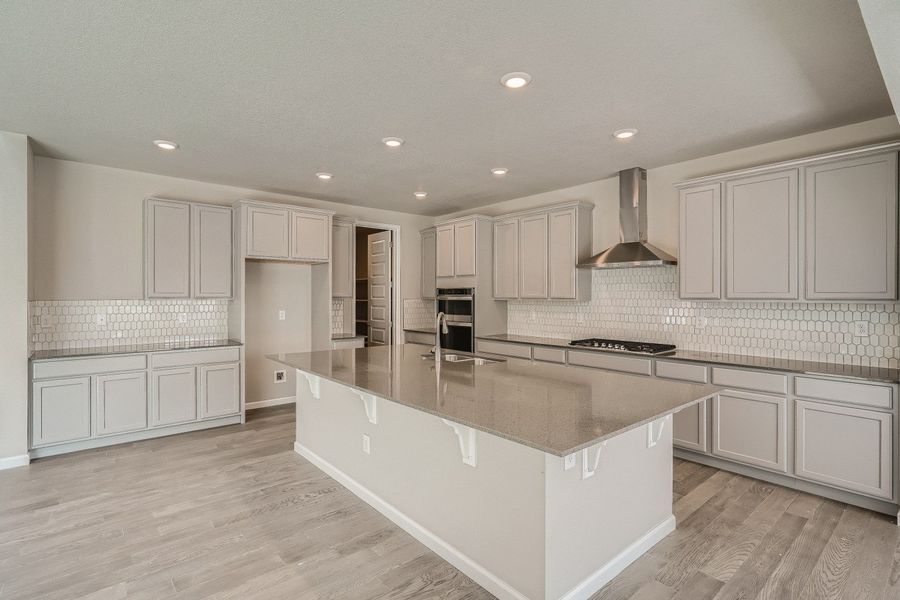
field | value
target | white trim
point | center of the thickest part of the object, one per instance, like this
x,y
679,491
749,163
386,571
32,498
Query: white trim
x,y
270,402
441,547
596,580
11,462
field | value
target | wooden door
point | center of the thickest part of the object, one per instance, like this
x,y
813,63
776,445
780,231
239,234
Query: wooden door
x,y
121,402
429,264
174,397
167,249
750,428
464,248
342,260
562,253
700,242
444,265
60,410
533,256
506,259
380,289
220,390
761,231
268,232
851,229
211,251
310,236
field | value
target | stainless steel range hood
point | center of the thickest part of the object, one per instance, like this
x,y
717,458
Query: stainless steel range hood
x,y
633,250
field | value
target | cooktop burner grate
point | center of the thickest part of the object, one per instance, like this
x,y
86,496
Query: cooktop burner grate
x,y
625,346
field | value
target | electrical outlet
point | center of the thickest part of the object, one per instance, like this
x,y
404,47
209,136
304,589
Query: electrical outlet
x,y
46,321
367,444
101,319
182,318
280,376
281,315
569,462
861,328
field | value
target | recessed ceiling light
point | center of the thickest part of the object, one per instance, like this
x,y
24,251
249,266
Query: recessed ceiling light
x,y
392,142
421,195
324,176
499,171
165,145
516,80
624,134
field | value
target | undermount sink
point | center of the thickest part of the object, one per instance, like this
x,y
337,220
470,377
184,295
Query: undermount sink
x,y
462,358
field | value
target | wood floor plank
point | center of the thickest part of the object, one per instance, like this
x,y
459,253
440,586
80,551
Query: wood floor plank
x,y
831,571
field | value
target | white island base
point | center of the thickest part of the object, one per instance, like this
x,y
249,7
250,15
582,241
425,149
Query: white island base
x,y
514,519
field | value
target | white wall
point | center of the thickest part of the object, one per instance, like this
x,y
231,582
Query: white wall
x,y
88,227
662,197
15,186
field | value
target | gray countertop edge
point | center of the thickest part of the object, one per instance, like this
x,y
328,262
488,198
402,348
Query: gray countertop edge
x,y
428,330
764,363
500,434
42,355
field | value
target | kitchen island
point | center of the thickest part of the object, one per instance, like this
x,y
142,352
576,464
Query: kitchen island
x,y
538,481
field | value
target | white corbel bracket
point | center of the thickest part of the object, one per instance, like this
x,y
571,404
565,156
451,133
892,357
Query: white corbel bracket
x,y
590,460
315,384
369,403
468,446
655,430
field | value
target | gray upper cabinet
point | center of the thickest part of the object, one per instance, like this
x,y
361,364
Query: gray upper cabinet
x,y
444,265
429,262
268,232
310,236
167,249
211,255
700,242
562,253
464,248
761,243
457,250
506,258
342,259
851,229
533,240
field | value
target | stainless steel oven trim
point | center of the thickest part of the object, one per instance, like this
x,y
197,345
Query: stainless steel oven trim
x,y
450,297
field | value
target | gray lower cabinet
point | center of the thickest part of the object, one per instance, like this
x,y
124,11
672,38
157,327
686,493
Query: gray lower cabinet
x,y
849,448
174,398
61,410
220,393
121,402
689,428
750,428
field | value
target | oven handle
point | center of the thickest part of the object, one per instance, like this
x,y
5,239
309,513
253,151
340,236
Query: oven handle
x,y
452,297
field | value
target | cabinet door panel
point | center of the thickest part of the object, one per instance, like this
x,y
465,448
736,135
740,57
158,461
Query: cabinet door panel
x,y
429,263
689,428
219,390
121,402
851,229
445,251
61,410
464,248
700,242
211,251
310,236
751,429
268,232
167,240
533,256
562,253
761,236
845,447
342,260
506,259
174,396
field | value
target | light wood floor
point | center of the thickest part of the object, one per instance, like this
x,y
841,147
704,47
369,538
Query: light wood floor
x,y
234,513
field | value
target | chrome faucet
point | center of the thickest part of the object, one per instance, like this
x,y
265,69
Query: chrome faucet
x,y
440,326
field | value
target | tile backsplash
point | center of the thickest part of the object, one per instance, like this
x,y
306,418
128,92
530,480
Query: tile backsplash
x,y
92,323
418,313
337,315
642,304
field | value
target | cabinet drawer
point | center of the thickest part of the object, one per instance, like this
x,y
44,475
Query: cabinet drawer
x,y
681,371
626,364
504,348
46,369
195,357
555,355
876,396
751,380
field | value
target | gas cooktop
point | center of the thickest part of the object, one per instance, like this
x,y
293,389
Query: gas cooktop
x,y
622,346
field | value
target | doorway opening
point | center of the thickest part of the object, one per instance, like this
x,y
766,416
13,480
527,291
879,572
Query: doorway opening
x,y
374,296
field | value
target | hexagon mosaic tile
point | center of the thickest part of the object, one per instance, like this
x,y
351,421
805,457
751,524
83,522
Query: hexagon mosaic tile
x,y
643,305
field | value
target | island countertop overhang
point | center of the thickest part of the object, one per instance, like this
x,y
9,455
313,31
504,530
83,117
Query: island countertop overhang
x,y
556,409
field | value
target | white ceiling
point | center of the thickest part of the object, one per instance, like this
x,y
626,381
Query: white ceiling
x,y
265,94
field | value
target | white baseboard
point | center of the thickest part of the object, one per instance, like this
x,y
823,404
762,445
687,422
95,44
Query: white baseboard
x,y
272,402
439,546
607,572
10,462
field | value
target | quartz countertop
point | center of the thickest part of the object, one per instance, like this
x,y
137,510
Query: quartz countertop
x,y
552,408
131,349
786,365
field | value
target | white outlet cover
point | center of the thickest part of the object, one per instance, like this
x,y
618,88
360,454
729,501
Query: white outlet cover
x,y
46,321
569,462
101,319
281,315
182,318
861,328
366,444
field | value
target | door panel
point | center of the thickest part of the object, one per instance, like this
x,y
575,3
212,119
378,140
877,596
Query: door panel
x,y
562,253
268,232
167,237
506,259
533,256
700,242
174,396
61,410
751,429
445,251
310,236
689,428
380,288
342,260
429,264
464,248
212,251
121,402
219,390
